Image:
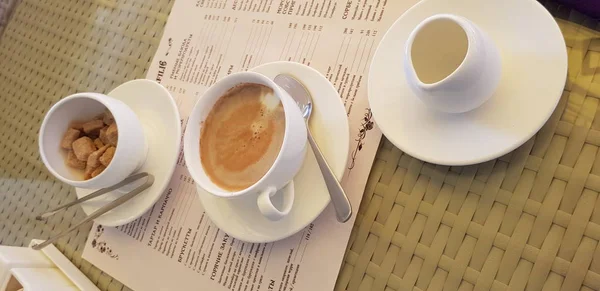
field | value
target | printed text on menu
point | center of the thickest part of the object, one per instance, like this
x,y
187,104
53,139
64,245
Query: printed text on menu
x,y
205,40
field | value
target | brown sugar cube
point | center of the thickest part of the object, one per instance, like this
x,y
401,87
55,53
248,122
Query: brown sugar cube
x,y
77,125
108,118
73,162
70,136
107,157
88,173
83,148
112,134
93,127
98,143
97,171
93,160
103,136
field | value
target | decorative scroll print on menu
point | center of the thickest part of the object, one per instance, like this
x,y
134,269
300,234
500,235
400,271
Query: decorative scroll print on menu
x,y
366,125
100,245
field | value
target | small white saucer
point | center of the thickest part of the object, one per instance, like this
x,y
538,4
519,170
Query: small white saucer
x,y
534,70
241,218
158,113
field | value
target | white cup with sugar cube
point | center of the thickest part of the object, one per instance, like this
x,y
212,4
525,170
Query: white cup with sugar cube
x,y
69,151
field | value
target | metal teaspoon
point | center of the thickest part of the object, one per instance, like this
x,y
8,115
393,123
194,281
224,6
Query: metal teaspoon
x,y
340,201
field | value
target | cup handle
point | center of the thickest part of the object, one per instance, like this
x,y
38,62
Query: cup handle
x,y
268,209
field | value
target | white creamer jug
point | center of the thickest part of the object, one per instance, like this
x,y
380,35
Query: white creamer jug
x,y
450,64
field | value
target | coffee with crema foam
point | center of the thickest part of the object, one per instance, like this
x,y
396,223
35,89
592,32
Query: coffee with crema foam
x,y
242,136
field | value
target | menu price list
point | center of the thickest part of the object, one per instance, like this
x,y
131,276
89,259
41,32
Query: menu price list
x,y
359,10
252,5
205,40
161,228
238,265
310,8
215,4
365,10
349,72
353,10
137,229
255,46
242,266
300,43
201,247
200,55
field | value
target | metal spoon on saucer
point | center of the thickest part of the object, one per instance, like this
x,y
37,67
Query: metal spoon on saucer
x,y
340,201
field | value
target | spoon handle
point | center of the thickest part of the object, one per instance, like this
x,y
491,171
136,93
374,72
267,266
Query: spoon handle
x,y
343,209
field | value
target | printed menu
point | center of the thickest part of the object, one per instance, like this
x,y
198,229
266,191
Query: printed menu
x,y
175,246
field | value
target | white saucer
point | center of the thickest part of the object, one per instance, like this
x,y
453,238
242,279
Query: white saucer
x,y
158,113
534,70
241,218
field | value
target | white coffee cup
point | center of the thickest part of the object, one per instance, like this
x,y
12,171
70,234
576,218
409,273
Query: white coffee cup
x,y
131,149
451,64
278,179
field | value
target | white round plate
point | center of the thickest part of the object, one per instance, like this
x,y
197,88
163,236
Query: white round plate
x,y
534,70
241,218
158,113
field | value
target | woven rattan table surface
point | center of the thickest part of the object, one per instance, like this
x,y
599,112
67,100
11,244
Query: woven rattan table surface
x,y
529,220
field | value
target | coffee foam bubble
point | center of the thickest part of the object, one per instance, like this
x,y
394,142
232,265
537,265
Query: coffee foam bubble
x,y
270,101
